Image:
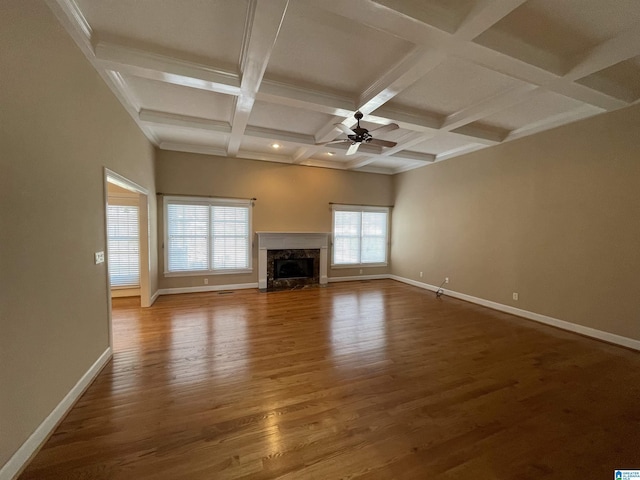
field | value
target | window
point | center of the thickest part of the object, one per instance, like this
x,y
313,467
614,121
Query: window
x,y
205,236
123,240
360,235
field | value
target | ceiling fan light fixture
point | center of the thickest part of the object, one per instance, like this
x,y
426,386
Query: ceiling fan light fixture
x,y
358,135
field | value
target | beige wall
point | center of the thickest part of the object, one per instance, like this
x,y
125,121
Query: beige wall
x,y
290,198
554,217
59,125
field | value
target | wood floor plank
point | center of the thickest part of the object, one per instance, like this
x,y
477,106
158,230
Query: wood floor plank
x,y
358,380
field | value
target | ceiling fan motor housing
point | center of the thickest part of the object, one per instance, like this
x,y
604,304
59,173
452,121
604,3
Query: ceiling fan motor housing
x,y
361,134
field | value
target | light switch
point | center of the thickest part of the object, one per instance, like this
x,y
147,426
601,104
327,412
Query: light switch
x,y
99,257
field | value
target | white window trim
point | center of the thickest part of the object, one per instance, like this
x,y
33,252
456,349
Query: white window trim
x,y
360,208
208,201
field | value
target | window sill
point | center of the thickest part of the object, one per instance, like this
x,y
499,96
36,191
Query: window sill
x,y
207,273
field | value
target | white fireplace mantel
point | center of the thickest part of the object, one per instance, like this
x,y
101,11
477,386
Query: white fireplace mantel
x,y
291,241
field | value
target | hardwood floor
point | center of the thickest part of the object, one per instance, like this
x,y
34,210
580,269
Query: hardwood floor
x,y
359,380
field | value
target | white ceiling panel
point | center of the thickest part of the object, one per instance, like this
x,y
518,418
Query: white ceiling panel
x,y
262,145
205,30
281,117
441,143
316,47
538,108
561,29
166,97
234,77
621,80
454,85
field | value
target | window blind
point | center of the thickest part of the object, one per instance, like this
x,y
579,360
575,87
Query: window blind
x,y
123,237
207,236
359,235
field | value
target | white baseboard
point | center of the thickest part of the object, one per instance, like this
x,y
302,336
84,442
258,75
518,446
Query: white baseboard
x,y
125,292
206,288
20,459
358,277
154,297
537,317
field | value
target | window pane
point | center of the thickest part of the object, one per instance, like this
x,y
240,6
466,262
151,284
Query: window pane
x,y
230,233
346,237
373,250
124,245
374,236
346,250
187,228
359,237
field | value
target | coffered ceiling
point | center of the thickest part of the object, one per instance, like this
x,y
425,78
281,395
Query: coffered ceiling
x,y
236,77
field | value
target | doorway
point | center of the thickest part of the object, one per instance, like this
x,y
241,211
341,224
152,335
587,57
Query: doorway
x,y
128,268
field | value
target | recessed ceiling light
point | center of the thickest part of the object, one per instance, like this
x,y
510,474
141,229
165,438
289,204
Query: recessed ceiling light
x,y
275,145
331,154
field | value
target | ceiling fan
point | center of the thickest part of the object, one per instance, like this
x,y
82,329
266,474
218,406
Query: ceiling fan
x,y
358,135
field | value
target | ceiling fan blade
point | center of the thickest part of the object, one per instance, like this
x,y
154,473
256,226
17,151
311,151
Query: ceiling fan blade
x,y
340,140
381,143
344,128
385,128
353,149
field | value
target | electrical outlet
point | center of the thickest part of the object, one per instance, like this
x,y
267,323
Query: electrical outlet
x,y
515,295
99,257
420,274
446,279
206,281
360,271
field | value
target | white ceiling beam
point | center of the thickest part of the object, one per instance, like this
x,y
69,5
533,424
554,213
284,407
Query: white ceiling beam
x,y
407,141
405,73
389,18
490,106
74,21
316,162
265,27
445,19
152,117
408,119
454,152
279,135
191,148
297,97
608,53
483,15
527,72
302,153
328,131
416,156
360,161
555,121
484,134
267,157
153,66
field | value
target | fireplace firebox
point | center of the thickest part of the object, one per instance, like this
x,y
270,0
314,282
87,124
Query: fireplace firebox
x,y
293,268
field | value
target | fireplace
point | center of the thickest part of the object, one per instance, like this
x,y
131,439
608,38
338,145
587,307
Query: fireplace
x,y
288,260
292,268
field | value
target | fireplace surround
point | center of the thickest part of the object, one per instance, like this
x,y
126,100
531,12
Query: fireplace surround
x,y
297,252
